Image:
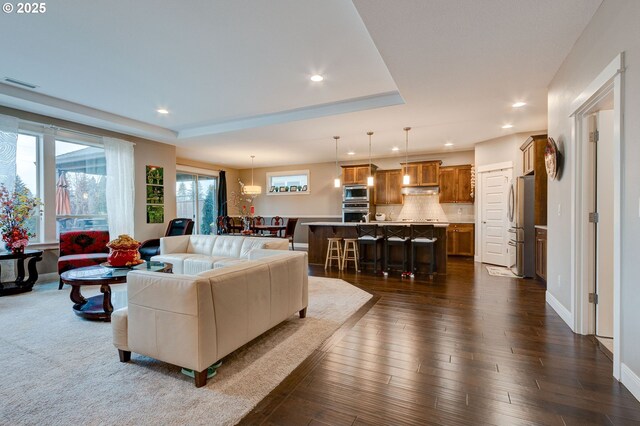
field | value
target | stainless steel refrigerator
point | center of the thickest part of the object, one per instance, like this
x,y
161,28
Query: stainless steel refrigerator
x,y
522,233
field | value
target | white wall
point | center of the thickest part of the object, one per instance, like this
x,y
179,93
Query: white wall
x,y
614,28
153,154
500,150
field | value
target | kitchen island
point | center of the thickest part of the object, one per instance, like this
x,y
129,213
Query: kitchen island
x,y
320,231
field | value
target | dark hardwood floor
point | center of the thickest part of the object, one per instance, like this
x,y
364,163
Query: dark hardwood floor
x,y
467,348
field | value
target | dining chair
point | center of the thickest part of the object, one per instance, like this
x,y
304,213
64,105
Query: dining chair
x,y
290,231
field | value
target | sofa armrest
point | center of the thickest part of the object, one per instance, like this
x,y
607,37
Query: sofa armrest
x,y
171,318
153,242
119,328
177,244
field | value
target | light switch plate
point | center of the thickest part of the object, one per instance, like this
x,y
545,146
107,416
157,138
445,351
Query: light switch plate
x,y
559,209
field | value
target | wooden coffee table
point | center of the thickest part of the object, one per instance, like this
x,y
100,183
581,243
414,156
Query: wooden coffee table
x,y
99,308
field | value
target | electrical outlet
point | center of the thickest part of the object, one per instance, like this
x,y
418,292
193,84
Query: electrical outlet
x,y
559,209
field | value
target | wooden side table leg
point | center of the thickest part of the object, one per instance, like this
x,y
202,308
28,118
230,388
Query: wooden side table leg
x,y
20,275
33,271
76,296
106,300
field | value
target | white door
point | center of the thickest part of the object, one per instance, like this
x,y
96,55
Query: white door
x,y
604,228
494,218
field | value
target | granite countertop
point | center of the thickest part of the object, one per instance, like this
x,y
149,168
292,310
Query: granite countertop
x,y
379,223
466,220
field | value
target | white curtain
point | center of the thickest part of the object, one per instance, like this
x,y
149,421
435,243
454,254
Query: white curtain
x,y
120,186
8,144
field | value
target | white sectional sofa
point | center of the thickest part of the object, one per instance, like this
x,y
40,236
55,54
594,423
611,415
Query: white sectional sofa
x,y
192,254
194,320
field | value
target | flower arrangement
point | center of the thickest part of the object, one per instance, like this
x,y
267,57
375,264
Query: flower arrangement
x,y
244,205
16,208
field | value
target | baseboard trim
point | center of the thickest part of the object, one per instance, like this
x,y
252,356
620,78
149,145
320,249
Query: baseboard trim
x,y
48,278
301,246
630,380
563,312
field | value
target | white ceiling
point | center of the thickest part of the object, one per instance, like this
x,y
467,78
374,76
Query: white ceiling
x,y
235,75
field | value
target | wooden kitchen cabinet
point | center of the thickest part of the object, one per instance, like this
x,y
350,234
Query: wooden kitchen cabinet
x,y
388,184
461,239
533,163
455,184
357,174
541,253
424,173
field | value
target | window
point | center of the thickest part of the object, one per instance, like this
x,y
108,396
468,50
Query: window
x,y
290,182
81,201
27,174
196,198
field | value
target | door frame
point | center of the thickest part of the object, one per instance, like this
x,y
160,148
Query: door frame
x,y
506,165
609,81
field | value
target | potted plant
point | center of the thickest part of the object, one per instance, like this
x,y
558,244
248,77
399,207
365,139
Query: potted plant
x,y
16,208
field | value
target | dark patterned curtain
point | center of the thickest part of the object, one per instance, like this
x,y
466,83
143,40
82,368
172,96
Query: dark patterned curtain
x,y
222,193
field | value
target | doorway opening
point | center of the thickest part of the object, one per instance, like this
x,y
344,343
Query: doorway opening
x,y
596,199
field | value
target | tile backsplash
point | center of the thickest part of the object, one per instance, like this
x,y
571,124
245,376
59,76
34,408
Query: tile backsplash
x,y
428,207
459,212
418,207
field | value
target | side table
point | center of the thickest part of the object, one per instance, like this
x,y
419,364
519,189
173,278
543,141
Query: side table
x,y
20,285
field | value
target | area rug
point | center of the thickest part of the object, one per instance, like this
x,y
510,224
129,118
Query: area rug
x,y
56,368
500,271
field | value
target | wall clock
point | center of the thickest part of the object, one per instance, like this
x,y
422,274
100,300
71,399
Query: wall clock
x,y
552,159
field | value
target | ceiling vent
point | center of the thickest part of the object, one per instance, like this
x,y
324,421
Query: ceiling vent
x,y
19,83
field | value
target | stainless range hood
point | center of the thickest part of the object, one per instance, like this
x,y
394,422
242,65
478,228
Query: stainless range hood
x,y
420,190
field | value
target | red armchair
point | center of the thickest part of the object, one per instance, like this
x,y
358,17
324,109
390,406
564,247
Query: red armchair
x,y
82,248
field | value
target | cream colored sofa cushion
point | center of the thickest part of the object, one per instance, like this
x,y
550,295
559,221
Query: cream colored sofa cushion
x,y
192,254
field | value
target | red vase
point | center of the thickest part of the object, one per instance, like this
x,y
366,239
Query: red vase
x,y
123,257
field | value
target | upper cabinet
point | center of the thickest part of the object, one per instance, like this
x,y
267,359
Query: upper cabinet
x,y
424,173
388,184
533,164
455,184
356,175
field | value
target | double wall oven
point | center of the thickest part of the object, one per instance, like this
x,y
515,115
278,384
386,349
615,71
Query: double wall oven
x,y
356,203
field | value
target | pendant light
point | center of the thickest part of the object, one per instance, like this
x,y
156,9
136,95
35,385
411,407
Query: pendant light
x,y
336,181
406,179
252,189
370,178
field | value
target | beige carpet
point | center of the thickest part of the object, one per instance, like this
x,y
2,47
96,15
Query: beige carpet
x,y
56,368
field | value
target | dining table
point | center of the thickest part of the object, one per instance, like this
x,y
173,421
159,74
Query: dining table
x,y
272,229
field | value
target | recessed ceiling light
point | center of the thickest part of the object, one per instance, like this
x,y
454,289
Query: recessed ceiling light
x,y
448,144
162,111
519,104
351,153
507,126
395,148
317,78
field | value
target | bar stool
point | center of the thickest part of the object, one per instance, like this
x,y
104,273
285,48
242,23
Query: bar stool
x,y
334,252
423,236
368,237
350,247
396,236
